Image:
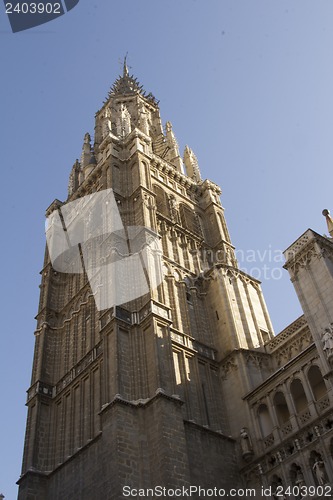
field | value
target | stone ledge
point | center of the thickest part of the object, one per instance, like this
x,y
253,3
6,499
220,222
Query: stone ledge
x,y
140,403
205,428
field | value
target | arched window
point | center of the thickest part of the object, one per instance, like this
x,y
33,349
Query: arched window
x,y
162,205
222,225
189,219
145,171
265,421
317,382
298,395
281,408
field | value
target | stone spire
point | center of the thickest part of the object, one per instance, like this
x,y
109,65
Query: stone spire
x,y
172,144
86,150
88,160
329,220
74,180
128,84
191,164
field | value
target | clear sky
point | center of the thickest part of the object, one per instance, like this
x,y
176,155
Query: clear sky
x,y
247,84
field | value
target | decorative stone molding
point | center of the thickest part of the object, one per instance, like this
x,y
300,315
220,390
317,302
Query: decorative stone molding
x,y
294,249
286,334
295,346
309,246
259,360
228,366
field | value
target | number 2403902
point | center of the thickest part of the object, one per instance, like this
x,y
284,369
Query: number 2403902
x,y
33,8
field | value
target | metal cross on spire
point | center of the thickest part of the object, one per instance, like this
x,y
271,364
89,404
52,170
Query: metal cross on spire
x,y
125,68
123,64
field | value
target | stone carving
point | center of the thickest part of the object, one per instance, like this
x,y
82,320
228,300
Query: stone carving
x,y
246,444
329,220
107,125
228,366
327,340
173,207
144,119
278,493
299,478
123,122
257,359
320,471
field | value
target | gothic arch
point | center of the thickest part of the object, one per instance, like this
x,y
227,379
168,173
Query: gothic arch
x,y
167,271
298,395
265,421
317,382
200,224
189,219
281,408
221,224
86,295
162,205
145,173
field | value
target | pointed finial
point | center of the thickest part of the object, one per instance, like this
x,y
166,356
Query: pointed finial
x,y
329,220
125,70
191,164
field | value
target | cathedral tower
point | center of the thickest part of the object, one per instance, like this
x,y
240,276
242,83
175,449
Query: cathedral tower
x,y
132,394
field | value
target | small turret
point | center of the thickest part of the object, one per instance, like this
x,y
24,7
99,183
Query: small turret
x,y
91,165
74,179
88,159
86,150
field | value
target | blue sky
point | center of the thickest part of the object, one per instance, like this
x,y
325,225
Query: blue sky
x,y
246,84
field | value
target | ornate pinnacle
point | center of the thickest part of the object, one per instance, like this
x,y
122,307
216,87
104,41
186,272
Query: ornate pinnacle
x,y
128,84
329,220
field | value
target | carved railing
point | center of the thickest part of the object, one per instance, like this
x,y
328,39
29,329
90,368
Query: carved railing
x,y
286,428
303,417
323,403
268,441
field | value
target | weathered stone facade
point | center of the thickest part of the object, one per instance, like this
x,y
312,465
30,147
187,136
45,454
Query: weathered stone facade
x,y
186,385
